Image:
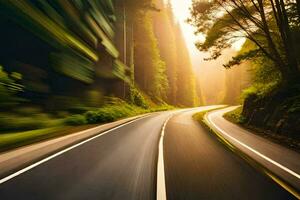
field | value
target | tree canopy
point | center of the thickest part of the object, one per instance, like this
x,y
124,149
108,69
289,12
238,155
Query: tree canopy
x,y
271,25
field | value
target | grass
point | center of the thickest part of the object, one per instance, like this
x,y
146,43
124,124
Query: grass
x,y
200,115
11,140
235,116
111,113
17,139
51,128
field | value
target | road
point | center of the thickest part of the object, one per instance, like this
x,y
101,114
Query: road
x,y
282,161
122,164
198,166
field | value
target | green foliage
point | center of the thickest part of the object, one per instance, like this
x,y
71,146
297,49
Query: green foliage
x,y
241,57
94,117
13,140
113,109
65,62
265,72
173,50
259,90
9,88
163,23
111,113
163,107
150,70
271,26
235,116
295,108
137,98
75,120
13,122
265,76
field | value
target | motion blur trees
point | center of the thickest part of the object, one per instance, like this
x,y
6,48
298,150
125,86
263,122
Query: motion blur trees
x,y
9,87
72,54
271,25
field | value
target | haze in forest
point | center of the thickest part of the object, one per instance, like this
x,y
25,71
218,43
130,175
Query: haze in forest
x,y
211,75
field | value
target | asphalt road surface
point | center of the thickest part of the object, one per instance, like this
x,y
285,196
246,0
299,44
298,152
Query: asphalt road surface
x,y
122,165
198,166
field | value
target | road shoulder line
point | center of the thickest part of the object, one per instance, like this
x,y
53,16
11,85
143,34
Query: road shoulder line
x,y
218,132
19,172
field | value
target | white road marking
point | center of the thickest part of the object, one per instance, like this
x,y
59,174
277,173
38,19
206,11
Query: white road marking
x,y
161,183
7,178
253,150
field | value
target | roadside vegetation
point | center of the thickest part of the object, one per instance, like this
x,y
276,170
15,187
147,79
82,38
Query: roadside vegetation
x,y
236,116
78,72
29,127
200,115
270,30
23,122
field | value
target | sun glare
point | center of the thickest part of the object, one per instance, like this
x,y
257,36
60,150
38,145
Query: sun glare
x,y
181,12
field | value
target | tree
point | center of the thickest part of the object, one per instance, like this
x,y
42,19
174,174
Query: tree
x,y
165,34
9,88
150,70
268,24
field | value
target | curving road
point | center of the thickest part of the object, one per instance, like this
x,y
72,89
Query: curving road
x,y
198,166
280,160
122,164
118,165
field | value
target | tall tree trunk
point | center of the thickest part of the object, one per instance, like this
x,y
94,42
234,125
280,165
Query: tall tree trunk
x,y
271,44
288,42
298,8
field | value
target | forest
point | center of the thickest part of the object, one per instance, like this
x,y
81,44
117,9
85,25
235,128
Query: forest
x,y
77,63
66,63
150,99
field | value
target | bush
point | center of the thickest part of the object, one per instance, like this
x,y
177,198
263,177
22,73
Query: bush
x,y
235,116
137,98
107,114
111,113
92,117
75,120
114,109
